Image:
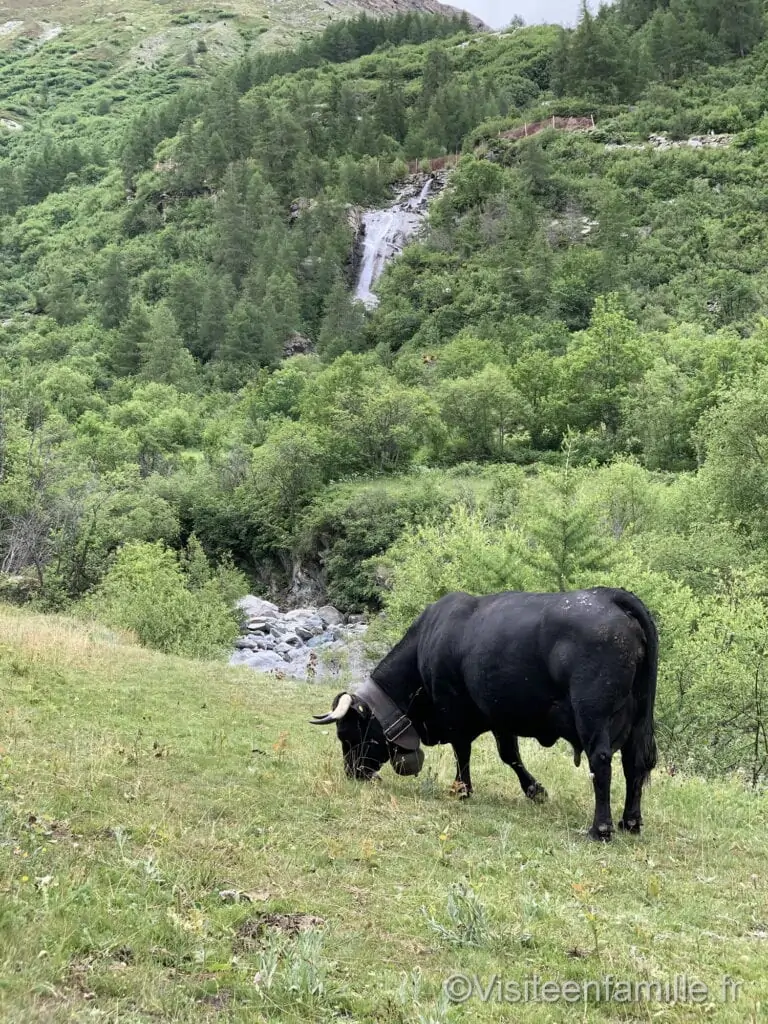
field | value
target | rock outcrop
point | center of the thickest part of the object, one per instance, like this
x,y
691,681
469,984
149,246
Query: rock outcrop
x,y
663,142
304,643
388,7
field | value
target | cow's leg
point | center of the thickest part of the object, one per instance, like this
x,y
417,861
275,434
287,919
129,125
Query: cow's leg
x,y
462,785
509,752
631,819
599,754
638,759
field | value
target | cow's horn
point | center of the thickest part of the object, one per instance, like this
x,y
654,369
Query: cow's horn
x,y
345,703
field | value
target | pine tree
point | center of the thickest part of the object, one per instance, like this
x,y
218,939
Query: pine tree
x,y
281,316
742,25
597,60
343,324
342,113
389,110
677,40
217,156
186,291
10,188
114,291
163,356
617,237
217,301
125,355
637,12
59,300
243,340
223,110
437,71
138,147
450,105
367,140
234,236
345,46
566,542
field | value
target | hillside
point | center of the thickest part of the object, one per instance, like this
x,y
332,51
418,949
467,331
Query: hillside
x,y
158,813
118,28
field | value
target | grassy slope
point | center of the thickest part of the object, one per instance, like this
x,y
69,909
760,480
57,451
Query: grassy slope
x,y
130,796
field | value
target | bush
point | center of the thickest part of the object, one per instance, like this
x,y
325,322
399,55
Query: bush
x,y
347,526
460,552
176,606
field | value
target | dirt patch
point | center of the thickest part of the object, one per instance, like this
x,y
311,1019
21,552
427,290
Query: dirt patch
x,y
53,831
48,33
563,124
253,929
243,896
216,1001
577,953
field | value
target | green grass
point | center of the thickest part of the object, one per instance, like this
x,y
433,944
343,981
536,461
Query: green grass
x,y
135,788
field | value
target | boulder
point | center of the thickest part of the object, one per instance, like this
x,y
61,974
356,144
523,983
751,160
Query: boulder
x,y
259,625
280,629
307,628
291,639
298,345
358,630
264,642
248,643
320,640
294,654
330,616
257,607
295,614
260,661
305,643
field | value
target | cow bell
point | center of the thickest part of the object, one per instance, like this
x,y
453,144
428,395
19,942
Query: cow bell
x,y
407,762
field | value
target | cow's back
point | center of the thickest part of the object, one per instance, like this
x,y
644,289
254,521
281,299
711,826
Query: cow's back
x,y
511,659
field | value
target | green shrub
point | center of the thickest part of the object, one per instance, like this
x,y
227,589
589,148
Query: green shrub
x,y
349,525
460,552
176,606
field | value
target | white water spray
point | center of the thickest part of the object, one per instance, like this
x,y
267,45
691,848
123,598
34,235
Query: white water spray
x,y
385,234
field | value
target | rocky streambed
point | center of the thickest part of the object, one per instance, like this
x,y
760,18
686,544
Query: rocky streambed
x,y
303,643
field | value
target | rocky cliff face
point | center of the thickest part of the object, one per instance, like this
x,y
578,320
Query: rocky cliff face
x,y
386,7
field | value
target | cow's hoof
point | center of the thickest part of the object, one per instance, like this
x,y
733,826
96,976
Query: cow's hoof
x,y
537,793
460,790
631,825
601,834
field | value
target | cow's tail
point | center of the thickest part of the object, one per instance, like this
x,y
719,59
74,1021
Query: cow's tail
x,y
643,730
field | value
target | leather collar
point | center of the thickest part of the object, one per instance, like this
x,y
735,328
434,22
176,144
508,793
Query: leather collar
x,y
398,728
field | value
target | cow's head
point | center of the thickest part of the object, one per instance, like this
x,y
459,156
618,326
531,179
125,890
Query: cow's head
x,y
363,743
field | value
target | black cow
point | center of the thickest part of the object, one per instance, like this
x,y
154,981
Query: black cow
x,y
579,666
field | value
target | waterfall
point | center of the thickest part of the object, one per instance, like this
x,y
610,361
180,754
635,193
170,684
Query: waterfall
x,y
385,234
